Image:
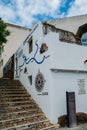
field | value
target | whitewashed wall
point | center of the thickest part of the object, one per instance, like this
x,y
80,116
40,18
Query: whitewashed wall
x,y
68,58
62,82
32,69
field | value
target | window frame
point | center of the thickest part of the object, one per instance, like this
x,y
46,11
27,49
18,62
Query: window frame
x,y
30,44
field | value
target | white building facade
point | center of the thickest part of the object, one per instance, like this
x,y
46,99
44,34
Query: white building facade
x,y
50,62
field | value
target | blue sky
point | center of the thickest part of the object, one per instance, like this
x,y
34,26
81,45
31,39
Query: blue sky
x,y
26,12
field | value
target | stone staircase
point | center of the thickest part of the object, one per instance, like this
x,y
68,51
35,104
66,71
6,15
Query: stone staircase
x,y
18,111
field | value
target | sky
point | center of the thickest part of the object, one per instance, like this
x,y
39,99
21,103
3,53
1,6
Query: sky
x,y
27,12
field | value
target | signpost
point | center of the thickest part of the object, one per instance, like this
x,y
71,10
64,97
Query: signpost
x,y
71,109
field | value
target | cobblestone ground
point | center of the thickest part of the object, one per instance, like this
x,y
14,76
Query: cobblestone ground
x,y
80,127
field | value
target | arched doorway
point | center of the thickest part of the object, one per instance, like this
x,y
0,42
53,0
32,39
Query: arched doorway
x,y
82,34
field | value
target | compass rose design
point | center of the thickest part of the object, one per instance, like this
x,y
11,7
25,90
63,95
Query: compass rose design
x,y
39,82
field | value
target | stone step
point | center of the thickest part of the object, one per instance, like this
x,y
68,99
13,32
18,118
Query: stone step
x,y
22,118
18,90
17,108
15,99
20,114
10,86
30,101
9,81
16,103
29,126
31,111
14,95
18,111
40,126
4,108
22,122
12,89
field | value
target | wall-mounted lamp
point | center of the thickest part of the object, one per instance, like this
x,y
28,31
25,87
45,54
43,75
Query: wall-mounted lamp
x,y
85,61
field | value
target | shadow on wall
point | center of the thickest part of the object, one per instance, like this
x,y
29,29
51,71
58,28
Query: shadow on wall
x,y
8,70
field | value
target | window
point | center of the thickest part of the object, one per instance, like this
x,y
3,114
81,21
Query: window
x,y
30,79
84,39
30,45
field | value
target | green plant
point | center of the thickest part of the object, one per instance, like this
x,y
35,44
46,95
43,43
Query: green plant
x,y
4,32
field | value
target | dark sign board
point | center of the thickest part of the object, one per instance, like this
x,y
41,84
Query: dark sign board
x,y
71,109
